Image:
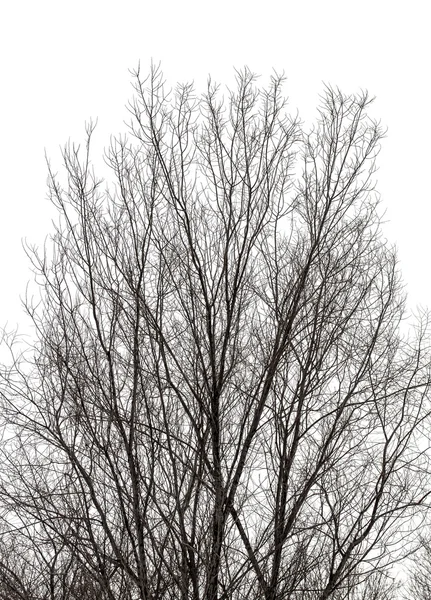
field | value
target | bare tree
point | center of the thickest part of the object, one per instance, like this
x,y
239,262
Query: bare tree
x,y
220,403
419,582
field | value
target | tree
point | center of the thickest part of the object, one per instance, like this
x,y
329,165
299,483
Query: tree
x,y
420,574
220,402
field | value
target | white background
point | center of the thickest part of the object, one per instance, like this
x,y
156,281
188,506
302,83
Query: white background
x,y
63,62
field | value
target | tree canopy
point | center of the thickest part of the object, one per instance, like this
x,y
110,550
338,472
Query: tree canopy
x,y
220,402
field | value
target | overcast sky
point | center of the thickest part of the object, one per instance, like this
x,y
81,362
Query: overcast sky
x,y
64,62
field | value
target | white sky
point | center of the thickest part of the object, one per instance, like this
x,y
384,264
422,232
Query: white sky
x,y
63,62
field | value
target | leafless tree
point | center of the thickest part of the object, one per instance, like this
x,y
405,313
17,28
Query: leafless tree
x,y
419,582
220,403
